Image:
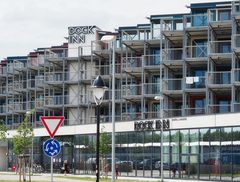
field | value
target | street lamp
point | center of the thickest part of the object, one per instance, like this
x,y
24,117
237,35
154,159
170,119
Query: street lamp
x,y
98,88
29,114
111,39
160,99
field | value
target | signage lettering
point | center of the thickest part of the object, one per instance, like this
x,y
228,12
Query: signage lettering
x,y
150,125
78,34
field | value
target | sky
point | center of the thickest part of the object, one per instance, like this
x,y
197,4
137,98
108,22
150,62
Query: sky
x,y
26,25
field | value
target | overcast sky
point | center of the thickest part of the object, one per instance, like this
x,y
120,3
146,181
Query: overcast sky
x,y
28,24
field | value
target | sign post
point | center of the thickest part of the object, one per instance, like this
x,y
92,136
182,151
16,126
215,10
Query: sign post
x,y
51,147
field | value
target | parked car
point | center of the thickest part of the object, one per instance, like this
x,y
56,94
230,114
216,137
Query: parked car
x,y
166,166
147,164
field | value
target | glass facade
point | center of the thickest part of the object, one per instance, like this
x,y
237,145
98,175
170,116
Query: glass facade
x,y
205,154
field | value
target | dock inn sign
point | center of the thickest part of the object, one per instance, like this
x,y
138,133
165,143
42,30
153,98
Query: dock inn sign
x,y
151,125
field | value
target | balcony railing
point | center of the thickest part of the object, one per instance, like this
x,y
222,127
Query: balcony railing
x,y
136,34
3,109
172,84
219,15
167,113
220,47
151,88
35,62
132,90
236,75
66,100
219,77
194,111
39,81
3,90
3,71
108,94
236,41
197,20
131,63
195,82
173,24
219,108
199,51
151,60
236,107
172,54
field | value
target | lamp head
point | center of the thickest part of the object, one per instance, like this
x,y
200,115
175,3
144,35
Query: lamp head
x,y
98,88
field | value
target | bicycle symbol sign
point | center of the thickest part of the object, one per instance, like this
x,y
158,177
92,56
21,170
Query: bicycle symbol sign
x,y
51,147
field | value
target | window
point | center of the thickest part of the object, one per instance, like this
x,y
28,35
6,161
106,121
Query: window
x,y
224,15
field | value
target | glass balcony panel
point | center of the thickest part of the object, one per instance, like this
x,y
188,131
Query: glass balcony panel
x,y
172,84
219,77
151,60
172,54
132,62
197,20
151,89
195,82
199,51
132,90
219,108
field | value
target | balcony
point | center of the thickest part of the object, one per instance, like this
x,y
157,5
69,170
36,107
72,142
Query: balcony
x,y
196,21
151,61
172,54
196,82
220,18
19,86
3,71
35,62
197,53
3,91
56,54
236,43
194,111
168,113
236,76
3,109
220,49
219,79
39,81
68,101
219,108
132,64
108,94
173,85
151,89
132,91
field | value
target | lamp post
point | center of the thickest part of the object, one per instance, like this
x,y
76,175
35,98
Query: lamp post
x,y
111,39
29,114
98,88
160,99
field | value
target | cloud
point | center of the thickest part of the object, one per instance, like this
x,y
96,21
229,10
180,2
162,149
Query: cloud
x,y
28,24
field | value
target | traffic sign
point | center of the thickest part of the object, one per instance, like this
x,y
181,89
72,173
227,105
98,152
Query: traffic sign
x,y
51,147
52,123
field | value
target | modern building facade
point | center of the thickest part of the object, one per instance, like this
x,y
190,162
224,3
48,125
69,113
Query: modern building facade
x,y
180,72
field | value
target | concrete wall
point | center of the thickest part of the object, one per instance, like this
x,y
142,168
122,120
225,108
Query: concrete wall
x,y
3,158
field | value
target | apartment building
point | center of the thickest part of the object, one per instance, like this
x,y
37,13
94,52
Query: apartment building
x,y
179,73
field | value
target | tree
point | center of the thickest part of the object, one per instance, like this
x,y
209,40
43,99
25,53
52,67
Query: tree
x,y
22,143
104,149
3,132
105,143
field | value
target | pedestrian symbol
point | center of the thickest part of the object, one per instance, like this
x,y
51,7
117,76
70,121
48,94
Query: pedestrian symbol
x,y
51,147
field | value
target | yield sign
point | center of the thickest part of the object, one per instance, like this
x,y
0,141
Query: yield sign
x,y
52,123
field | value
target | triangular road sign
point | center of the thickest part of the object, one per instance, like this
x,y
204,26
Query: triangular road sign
x,y
52,123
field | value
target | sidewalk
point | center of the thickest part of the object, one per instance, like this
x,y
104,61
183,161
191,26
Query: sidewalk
x,y
70,178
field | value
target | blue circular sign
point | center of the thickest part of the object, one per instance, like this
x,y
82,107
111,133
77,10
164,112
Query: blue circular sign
x,y
51,147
